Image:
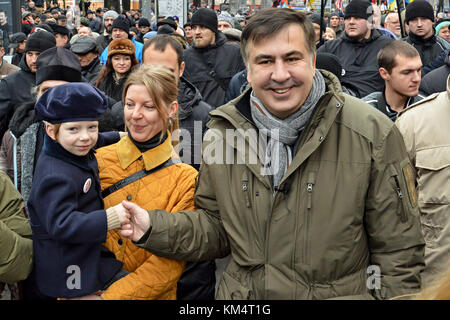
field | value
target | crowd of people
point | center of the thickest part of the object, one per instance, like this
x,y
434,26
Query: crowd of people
x,y
275,155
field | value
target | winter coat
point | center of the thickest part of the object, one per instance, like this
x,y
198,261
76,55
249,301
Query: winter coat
x,y
436,80
378,100
15,89
112,88
6,68
425,129
222,58
429,48
16,248
238,84
342,209
69,225
359,61
171,189
103,40
91,72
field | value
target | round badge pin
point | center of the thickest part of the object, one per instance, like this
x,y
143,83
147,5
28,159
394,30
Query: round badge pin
x,y
87,185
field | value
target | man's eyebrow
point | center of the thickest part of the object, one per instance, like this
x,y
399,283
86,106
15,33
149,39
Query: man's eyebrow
x,y
268,56
294,52
262,57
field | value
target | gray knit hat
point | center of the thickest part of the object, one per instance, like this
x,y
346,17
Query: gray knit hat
x,y
110,13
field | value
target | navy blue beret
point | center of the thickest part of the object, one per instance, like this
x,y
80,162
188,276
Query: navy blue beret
x,y
77,101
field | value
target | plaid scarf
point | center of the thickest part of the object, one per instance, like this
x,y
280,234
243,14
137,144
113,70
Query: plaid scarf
x,y
284,133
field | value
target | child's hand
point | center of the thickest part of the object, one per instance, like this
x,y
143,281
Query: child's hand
x,y
117,216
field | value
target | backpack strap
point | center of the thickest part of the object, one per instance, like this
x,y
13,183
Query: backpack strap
x,y
136,176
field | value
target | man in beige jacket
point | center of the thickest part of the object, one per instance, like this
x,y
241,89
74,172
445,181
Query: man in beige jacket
x,y
426,133
5,67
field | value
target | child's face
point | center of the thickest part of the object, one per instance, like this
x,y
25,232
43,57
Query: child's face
x,y
76,137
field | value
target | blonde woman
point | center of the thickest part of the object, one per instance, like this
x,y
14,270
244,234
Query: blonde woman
x,y
163,182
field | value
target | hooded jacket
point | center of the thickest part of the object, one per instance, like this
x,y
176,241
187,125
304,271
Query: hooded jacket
x,y
342,208
206,66
429,48
425,129
172,188
435,81
359,61
15,89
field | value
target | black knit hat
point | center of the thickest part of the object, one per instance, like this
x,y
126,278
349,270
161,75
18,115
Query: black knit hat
x,y
40,41
121,23
329,62
143,22
358,8
69,102
58,63
206,18
419,8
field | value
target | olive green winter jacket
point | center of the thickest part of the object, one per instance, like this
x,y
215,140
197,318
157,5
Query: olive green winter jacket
x,y
343,223
16,248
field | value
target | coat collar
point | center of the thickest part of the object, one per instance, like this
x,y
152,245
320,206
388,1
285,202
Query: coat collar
x,y
129,153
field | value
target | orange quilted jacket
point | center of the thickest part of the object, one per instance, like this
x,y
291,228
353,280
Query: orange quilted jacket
x,y
171,189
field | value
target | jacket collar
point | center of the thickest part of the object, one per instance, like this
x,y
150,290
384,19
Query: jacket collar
x,y
129,153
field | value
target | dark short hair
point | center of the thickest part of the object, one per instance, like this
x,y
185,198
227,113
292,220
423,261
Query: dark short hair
x,y
386,57
267,22
187,24
160,42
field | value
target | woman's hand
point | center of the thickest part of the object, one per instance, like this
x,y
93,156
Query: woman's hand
x,y
139,222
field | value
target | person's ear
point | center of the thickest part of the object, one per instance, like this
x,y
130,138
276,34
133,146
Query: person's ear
x,y
50,130
182,66
384,74
173,109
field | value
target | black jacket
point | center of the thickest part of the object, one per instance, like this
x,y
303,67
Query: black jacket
x,y
378,100
210,69
359,61
112,88
15,90
436,80
430,48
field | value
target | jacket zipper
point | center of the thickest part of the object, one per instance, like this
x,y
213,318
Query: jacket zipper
x,y
400,212
245,189
309,189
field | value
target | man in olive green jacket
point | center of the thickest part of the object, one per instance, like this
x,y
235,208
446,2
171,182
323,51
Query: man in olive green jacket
x,y
323,209
16,248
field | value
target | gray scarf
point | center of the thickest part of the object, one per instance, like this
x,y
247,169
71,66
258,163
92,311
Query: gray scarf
x,y
284,133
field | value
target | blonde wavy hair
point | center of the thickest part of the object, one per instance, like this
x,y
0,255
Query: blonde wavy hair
x,y
162,87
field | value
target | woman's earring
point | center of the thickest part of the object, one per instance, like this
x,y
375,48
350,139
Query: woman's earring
x,y
170,122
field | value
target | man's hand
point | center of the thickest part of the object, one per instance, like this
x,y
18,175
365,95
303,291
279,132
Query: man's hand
x,y
139,222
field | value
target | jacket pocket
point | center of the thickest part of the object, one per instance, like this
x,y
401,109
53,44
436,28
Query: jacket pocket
x,y
399,193
433,167
231,289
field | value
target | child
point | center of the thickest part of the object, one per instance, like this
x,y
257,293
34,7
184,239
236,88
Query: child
x,y
65,206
